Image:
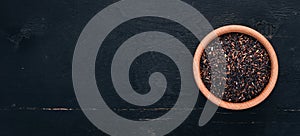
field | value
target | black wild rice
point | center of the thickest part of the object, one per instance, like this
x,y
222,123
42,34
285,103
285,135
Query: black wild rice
x,y
247,67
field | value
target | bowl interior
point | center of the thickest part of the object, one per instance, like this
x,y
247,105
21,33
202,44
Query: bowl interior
x,y
244,30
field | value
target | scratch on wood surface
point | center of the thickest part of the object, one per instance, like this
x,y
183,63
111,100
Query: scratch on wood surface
x,y
149,119
238,123
24,108
291,110
34,26
14,108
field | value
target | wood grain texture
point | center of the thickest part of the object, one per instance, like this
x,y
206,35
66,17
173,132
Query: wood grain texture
x,y
38,37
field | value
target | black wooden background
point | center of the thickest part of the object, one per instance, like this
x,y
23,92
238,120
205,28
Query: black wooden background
x,y
38,37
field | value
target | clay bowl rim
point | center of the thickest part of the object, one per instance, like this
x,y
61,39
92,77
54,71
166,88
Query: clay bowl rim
x,y
248,31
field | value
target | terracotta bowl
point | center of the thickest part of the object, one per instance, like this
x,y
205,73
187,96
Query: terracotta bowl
x,y
248,31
